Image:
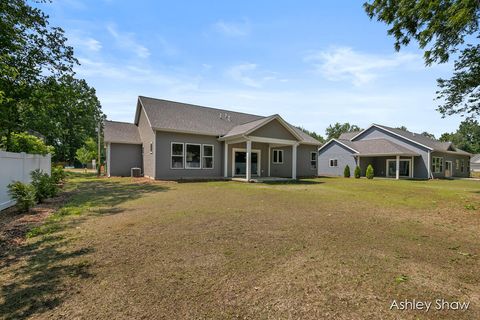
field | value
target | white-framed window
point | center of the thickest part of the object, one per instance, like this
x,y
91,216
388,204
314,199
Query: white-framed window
x,y
463,165
333,163
151,147
177,155
207,156
313,160
437,164
277,156
193,152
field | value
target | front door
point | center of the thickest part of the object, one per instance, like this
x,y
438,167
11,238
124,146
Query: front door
x,y
240,163
448,169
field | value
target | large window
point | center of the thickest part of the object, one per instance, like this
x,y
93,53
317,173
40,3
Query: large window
x,y
192,156
313,160
207,161
177,155
437,164
333,163
277,156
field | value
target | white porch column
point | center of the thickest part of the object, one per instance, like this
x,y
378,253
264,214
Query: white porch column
x,y
397,168
294,161
249,160
269,159
225,159
412,167
429,165
108,159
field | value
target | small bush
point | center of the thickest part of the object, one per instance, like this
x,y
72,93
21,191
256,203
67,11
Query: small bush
x,y
357,172
369,172
23,193
43,184
346,172
58,175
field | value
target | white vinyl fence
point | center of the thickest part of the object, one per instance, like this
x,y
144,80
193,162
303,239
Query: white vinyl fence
x,y
17,167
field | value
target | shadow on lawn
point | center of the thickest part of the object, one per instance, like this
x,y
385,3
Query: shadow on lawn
x,y
35,274
297,182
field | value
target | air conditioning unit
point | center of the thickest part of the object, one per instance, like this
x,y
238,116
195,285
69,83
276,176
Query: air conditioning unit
x,y
136,172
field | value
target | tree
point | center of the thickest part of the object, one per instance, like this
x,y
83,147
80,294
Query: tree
x,y
467,136
30,50
312,134
346,172
402,128
24,142
441,28
334,131
369,173
357,173
428,135
84,156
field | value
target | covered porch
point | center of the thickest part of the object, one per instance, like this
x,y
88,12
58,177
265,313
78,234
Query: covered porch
x,y
255,159
397,166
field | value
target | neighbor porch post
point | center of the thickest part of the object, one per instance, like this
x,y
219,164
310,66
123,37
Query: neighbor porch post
x,y
225,159
397,168
108,159
269,160
249,160
294,161
412,163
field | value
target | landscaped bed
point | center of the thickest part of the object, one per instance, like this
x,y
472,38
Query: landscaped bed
x,y
337,248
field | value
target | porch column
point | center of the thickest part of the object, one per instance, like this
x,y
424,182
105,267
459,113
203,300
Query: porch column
x,y
225,161
249,160
412,167
269,160
294,161
397,168
108,159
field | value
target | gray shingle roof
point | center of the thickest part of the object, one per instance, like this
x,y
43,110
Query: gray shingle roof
x,y
381,147
177,116
121,132
348,135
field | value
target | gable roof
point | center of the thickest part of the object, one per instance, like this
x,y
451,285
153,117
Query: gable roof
x,y
419,139
182,117
121,132
373,147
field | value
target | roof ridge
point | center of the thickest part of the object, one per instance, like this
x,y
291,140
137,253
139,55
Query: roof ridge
x,y
199,106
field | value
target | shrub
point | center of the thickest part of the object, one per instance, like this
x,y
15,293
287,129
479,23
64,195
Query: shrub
x,y
369,172
357,172
346,172
23,193
24,142
58,175
43,184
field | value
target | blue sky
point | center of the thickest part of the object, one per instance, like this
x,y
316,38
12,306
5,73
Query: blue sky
x,y
313,62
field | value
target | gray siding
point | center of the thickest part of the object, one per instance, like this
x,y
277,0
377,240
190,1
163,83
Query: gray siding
x,y
303,160
420,166
124,157
163,159
284,169
343,155
147,136
273,129
452,157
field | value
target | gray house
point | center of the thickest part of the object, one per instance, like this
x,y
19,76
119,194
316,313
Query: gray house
x,y
172,140
393,153
475,163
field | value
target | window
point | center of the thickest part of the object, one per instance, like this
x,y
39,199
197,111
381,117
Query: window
x,y
313,160
463,165
277,156
333,163
142,149
151,147
177,155
207,161
437,164
457,164
192,156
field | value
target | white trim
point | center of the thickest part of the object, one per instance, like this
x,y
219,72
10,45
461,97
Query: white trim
x,y
272,140
294,161
269,156
259,159
410,167
108,159
316,160
185,152
451,168
429,166
335,140
442,166
225,160
172,155
398,135
412,174
278,153
203,156
330,163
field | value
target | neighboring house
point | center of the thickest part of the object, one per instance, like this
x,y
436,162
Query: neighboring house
x,y
475,163
172,140
393,153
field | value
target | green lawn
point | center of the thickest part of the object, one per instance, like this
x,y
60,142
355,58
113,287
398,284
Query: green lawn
x,y
321,248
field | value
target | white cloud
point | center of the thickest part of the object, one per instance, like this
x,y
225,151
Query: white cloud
x,y
239,73
345,64
233,29
128,42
